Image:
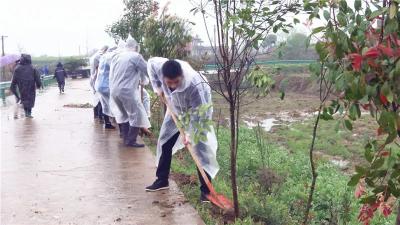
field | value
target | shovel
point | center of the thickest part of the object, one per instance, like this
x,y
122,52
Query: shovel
x,y
217,199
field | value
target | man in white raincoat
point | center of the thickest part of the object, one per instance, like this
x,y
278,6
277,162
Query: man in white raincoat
x,y
102,87
127,68
94,67
185,89
102,84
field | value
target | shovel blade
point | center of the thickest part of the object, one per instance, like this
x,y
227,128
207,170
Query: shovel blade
x,y
220,201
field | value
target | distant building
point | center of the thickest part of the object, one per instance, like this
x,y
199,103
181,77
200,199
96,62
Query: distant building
x,y
196,47
198,50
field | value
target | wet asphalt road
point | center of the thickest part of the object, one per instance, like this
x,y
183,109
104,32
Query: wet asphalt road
x,y
62,167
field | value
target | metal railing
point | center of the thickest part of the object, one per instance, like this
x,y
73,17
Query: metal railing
x,y
268,62
4,86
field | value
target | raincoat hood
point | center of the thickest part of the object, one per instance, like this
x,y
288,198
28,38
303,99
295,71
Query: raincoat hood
x,y
104,49
121,44
155,65
25,59
188,73
132,44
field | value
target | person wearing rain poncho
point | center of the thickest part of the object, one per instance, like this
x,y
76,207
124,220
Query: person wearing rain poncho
x,y
60,75
186,90
127,68
102,86
26,78
94,68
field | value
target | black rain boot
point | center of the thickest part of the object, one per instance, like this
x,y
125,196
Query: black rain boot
x,y
109,126
28,113
121,135
95,112
130,140
100,113
107,123
124,129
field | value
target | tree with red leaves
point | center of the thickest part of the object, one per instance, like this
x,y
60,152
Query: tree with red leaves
x,y
360,49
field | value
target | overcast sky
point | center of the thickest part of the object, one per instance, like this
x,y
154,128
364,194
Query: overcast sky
x,y
70,27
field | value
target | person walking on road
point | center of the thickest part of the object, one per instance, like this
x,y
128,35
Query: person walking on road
x,y
60,75
45,70
24,82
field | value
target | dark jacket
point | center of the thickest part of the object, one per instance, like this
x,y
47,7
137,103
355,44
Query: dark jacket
x,y
60,73
26,79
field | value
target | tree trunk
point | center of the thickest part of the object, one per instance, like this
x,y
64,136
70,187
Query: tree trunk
x,y
233,159
398,214
313,170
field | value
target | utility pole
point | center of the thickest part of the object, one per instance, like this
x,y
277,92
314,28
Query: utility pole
x,y
3,71
2,44
59,55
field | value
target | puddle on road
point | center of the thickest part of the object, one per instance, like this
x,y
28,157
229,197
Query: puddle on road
x,y
86,105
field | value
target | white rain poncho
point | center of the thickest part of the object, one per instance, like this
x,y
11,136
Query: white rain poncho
x,y
146,102
193,92
146,96
127,68
94,64
101,85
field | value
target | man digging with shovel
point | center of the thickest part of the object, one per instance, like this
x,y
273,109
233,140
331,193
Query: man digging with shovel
x,y
182,89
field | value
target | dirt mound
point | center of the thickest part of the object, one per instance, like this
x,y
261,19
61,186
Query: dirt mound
x,y
85,106
268,178
225,217
301,84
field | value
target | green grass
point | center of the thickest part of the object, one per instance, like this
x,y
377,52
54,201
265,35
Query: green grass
x,y
343,143
288,157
